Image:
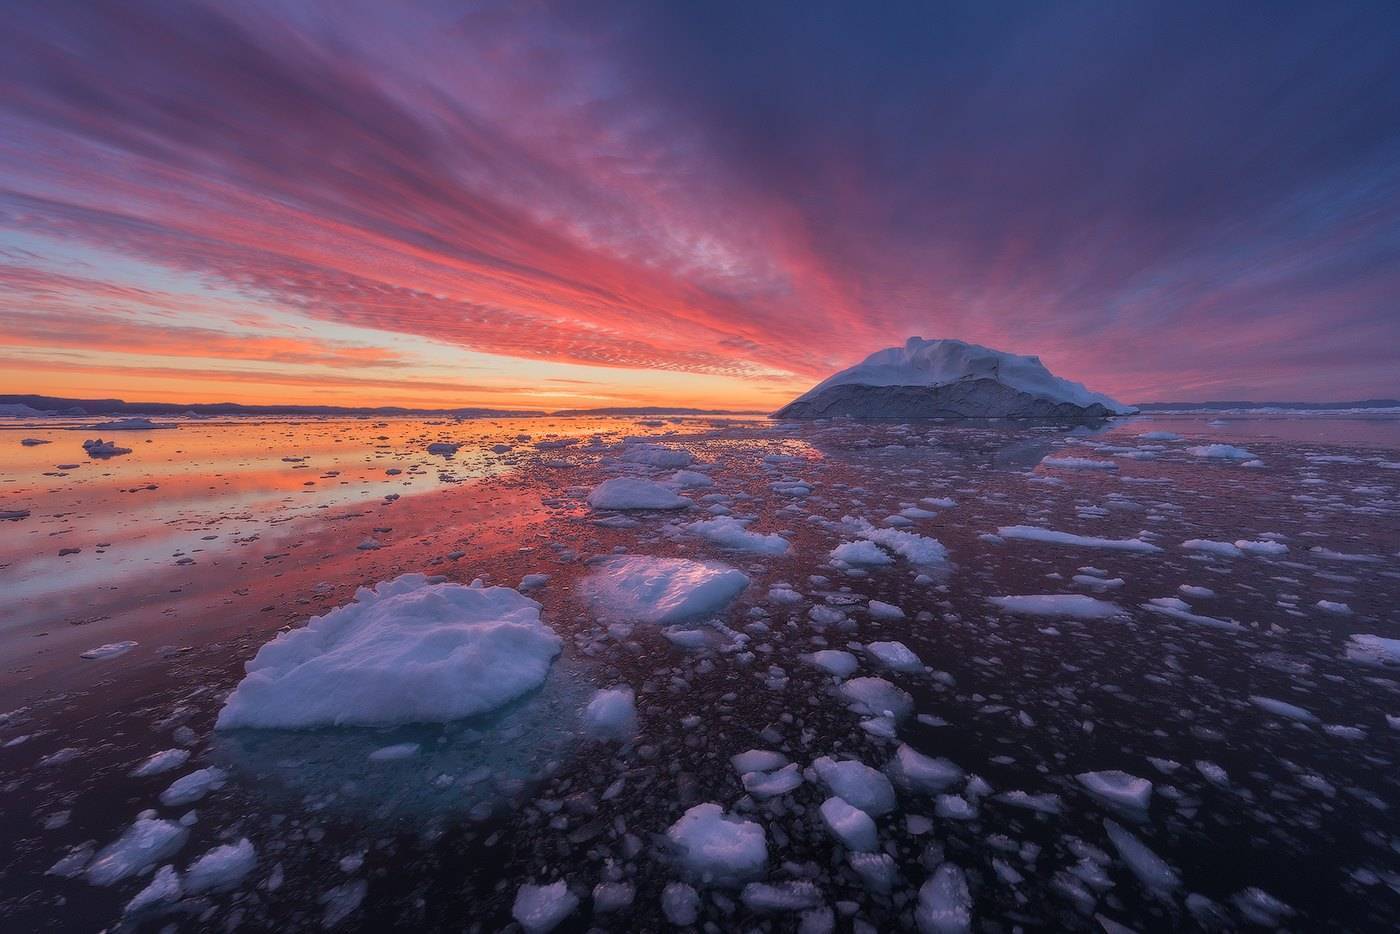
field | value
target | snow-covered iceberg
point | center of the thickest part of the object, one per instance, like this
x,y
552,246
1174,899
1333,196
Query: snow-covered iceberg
x,y
950,379
407,651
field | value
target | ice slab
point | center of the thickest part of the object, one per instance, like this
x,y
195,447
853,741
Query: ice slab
x,y
405,651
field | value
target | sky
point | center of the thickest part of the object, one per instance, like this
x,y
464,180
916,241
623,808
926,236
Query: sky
x,y
558,205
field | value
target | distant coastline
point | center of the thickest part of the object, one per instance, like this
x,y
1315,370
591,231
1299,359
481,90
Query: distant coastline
x,y
57,405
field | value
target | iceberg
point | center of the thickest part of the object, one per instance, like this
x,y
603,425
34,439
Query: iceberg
x,y
950,379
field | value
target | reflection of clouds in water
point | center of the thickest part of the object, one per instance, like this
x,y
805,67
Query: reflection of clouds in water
x,y
472,766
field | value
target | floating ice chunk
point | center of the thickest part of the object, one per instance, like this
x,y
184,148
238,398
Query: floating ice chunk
x,y
895,656
1159,436
634,493
1221,452
758,760
857,783
781,896
680,904
1064,606
876,697
96,447
1213,773
654,455
1330,606
912,547
443,447
613,896
661,590
1045,803
860,553
188,789
110,650
691,479
163,889
161,762
1118,788
532,582
221,868
876,870
714,847
542,908
1331,555
888,611
1262,548
688,638
954,807
1078,463
835,662
1178,609
823,616
785,595
849,824
145,843
1151,870
1030,533
1261,908
1198,592
1373,650
611,714
945,905
763,785
1283,709
405,651
728,532
1224,549
341,901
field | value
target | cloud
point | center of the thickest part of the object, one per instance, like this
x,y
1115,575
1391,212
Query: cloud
x,y
1156,200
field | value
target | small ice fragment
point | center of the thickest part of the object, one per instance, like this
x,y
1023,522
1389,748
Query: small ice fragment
x,y
1151,871
613,896
145,843
849,824
895,656
611,714
835,662
876,697
633,493
945,905
859,784
680,904
758,760
110,650
915,772
163,889
781,896
1065,606
161,762
221,868
1283,709
541,908
1118,788
715,847
394,752
190,788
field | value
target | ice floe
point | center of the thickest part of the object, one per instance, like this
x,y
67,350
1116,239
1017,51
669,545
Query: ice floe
x,y
407,650
661,590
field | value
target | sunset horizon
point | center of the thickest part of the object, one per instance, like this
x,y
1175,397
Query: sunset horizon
x,y
516,205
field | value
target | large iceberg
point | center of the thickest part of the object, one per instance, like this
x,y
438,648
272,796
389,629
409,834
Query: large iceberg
x,y
950,379
407,651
